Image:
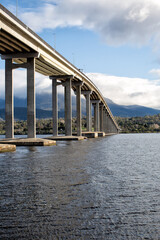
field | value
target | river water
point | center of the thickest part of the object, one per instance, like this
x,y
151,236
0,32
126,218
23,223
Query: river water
x,y
106,188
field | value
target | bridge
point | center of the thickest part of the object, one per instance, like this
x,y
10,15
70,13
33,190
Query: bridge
x,y
20,47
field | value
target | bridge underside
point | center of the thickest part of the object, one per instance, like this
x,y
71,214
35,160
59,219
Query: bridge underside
x,y
20,47
19,51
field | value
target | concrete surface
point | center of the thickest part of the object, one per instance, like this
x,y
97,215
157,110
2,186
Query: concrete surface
x,y
28,142
7,148
66,138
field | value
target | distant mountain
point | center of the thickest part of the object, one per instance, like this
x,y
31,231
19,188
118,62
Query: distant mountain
x,y
44,107
44,101
131,110
20,113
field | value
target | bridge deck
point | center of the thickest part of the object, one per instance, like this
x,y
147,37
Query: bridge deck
x,y
19,41
17,38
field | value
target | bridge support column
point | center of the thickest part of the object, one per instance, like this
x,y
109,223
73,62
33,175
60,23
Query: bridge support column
x,y
104,120
96,114
31,112
68,107
108,123
88,110
101,117
110,126
78,104
9,108
94,117
54,106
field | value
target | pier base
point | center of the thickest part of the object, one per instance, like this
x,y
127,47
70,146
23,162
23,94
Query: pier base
x,y
66,138
28,142
7,148
93,134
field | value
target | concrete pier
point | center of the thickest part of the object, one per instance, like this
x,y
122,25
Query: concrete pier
x,y
28,142
93,134
90,134
54,107
101,117
9,108
105,122
96,114
88,111
78,104
66,138
68,107
31,112
7,148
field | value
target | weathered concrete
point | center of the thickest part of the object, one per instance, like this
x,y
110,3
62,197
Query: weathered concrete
x,y
96,114
101,116
78,104
101,134
88,110
7,148
66,138
9,116
28,142
68,108
54,107
107,128
110,125
93,134
90,134
31,112
104,120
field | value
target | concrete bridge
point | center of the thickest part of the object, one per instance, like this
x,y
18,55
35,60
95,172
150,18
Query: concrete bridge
x,y
20,47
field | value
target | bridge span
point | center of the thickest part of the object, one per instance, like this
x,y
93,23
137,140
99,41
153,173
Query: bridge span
x,y
20,47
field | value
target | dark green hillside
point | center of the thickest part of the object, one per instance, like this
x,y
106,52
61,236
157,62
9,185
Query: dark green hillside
x,y
146,124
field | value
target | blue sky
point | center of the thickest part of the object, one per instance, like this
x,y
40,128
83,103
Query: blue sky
x,y
115,42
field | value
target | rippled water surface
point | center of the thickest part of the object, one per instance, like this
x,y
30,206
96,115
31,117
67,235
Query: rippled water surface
x,y
106,188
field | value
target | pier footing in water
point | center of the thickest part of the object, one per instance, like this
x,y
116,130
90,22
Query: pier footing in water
x,y
66,138
28,142
7,148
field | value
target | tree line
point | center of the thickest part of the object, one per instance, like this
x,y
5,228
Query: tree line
x,y
147,124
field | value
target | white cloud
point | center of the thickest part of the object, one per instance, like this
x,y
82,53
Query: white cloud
x,y
128,91
20,83
155,72
42,84
118,21
121,90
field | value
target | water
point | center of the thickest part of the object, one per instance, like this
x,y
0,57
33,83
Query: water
x,y
106,188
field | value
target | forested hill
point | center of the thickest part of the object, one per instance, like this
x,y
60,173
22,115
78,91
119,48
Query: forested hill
x,y
145,124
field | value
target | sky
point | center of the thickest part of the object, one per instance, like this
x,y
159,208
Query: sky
x,y
115,42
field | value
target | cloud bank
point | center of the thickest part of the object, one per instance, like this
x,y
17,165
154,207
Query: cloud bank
x,y
128,91
42,84
121,90
118,22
